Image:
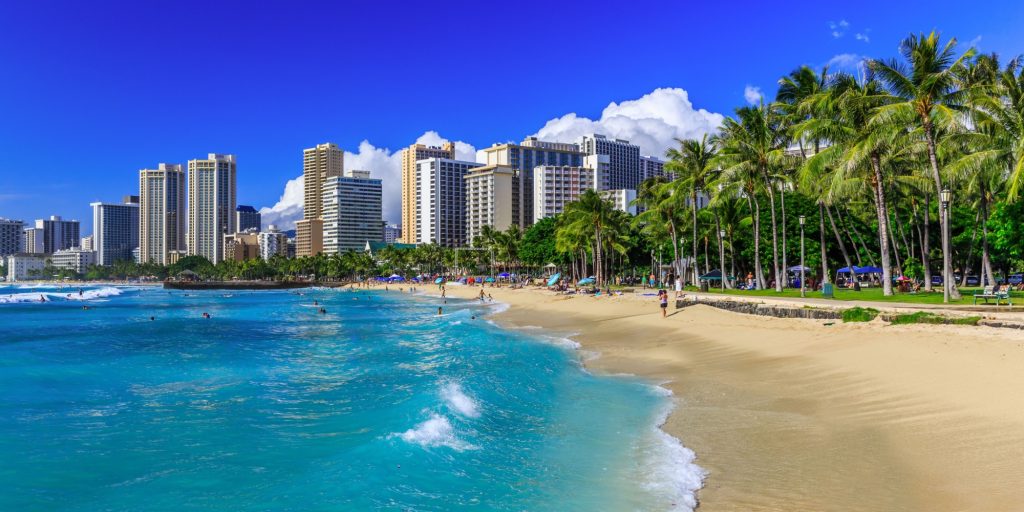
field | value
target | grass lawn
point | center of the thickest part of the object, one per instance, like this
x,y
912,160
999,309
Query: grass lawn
x,y
867,294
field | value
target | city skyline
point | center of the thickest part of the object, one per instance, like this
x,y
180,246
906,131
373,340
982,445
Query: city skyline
x,y
267,124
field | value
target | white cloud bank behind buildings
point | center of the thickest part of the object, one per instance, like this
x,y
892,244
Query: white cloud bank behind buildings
x,y
652,122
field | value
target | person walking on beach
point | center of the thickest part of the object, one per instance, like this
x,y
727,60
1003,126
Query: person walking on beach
x,y
679,286
663,299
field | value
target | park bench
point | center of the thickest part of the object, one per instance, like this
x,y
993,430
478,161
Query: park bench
x,y
991,293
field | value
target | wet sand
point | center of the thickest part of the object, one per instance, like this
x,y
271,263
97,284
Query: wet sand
x,y
789,414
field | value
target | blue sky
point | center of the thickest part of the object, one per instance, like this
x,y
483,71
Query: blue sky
x,y
92,92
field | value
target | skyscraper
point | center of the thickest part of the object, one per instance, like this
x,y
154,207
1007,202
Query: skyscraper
x,y
523,157
211,205
161,212
11,237
441,202
492,199
56,234
32,241
410,156
246,218
352,211
318,164
115,231
623,159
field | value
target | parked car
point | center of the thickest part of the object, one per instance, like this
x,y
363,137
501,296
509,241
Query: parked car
x,y
973,281
1015,279
936,279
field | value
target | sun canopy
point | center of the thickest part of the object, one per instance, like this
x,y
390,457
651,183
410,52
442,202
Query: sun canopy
x,y
503,274
586,280
860,270
714,275
798,268
439,280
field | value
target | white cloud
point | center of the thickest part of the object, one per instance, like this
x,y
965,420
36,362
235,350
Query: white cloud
x,y
652,122
752,94
862,37
381,162
848,62
838,29
974,43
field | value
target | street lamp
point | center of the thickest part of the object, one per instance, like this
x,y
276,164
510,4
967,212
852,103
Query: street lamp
x,y
721,256
945,195
803,220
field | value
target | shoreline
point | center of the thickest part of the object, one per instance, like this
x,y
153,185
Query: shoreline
x,y
791,414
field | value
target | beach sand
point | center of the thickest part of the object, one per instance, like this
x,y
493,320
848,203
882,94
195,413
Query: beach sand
x,y
789,414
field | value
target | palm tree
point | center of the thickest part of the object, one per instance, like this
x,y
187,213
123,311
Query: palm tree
x,y
663,208
926,92
691,163
592,211
752,146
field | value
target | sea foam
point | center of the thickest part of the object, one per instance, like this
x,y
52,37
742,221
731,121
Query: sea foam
x,y
458,401
436,431
670,470
62,295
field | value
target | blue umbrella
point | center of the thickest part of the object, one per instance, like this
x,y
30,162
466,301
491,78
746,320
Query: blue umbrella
x,y
586,280
439,280
503,274
489,280
554,279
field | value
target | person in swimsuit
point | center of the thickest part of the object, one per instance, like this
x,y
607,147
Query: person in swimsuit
x,y
663,298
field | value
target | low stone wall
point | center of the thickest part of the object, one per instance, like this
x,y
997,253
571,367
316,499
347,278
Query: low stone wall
x,y
754,308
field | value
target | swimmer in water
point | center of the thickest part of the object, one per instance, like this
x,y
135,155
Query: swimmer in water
x,y
42,298
152,318
315,303
438,311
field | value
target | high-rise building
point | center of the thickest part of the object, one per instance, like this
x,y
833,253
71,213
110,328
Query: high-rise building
x,y
491,199
242,246
115,231
392,233
621,199
75,259
86,243
211,205
246,218
272,241
652,167
554,186
352,212
623,159
12,237
161,213
25,266
523,158
410,194
441,201
32,240
54,234
319,164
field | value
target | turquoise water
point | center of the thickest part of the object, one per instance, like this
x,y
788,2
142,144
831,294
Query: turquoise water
x,y
379,404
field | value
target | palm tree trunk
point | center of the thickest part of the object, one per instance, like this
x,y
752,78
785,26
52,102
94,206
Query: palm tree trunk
x,y
775,237
842,246
925,245
675,250
856,233
756,212
821,242
693,207
947,263
883,224
846,230
986,263
785,266
970,250
721,252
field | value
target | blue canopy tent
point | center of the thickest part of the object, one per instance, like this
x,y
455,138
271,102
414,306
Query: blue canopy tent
x,y
439,280
554,279
860,270
396,278
503,275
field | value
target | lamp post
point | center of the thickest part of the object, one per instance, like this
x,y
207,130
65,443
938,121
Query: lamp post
x,y
945,196
721,256
803,220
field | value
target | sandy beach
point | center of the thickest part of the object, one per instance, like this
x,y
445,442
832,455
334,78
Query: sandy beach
x,y
789,414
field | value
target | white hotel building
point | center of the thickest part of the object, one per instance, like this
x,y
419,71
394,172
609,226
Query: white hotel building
x,y
441,201
351,206
554,186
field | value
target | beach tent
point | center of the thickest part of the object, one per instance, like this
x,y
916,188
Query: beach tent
x,y
798,268
860,270
439,280
714,275
586,280
554,279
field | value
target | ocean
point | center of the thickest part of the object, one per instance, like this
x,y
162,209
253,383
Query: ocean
x,y
269,404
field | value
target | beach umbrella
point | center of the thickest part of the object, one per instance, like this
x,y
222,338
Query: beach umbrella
x,y
503,274
554,279
798,268
439,280
489,280
714,275
586,280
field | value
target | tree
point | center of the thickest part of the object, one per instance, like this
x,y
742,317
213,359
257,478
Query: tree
x,y
538,244
692,164
925,91
592,212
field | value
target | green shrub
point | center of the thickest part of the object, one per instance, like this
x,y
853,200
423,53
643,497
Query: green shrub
x,y
922,317
859,314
